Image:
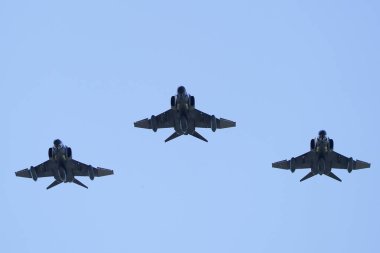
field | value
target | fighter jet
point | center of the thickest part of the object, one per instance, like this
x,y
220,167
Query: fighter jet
x,y
62,167
321,159
184,118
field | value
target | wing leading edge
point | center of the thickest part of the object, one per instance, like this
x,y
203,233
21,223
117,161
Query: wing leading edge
x,y
342,162
44,169
304,161
163,120
81,169
204,120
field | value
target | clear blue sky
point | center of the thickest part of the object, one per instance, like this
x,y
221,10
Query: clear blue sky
x,y
84,71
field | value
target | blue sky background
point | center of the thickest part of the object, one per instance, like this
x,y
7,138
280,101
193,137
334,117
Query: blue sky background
x,y
84,71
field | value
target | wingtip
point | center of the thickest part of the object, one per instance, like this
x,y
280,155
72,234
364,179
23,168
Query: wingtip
x,y
23,173
141,123
283,164
226,123
361,165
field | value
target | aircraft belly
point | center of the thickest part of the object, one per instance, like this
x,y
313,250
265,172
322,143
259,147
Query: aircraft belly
x,y
321,166
191,125
183,125
61,174
69,175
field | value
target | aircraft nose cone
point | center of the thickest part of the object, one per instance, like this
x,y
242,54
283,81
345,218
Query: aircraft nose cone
x,y
57,143
181,90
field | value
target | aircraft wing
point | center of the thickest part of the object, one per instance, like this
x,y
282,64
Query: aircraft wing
x,y
81,169
342,162
43,170
203,120
163,120
304,161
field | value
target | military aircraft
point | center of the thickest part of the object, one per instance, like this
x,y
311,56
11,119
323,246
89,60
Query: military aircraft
x,y
184,118
321,159
62,167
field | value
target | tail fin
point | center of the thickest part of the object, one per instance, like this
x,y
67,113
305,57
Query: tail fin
x,y
76,181
55,183
309,175
332,175
173,136
197,135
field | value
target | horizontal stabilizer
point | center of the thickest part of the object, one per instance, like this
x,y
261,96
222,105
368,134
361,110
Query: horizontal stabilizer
x,y
197,135
284,164
23,173
76,181
55,183
361,165
332,175
173,136
225,123
309,175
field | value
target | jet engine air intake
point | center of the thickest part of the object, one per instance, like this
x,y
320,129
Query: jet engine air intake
x,y
331,143
192,102
172,102
50,153
69,153
312,144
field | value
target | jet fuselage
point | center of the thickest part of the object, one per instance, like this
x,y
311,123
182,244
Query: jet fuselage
x,y
321,152
184,118
184,123
62,172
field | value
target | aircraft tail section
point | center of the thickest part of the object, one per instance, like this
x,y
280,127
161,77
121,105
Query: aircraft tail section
x,y
76,181
332,175
173,136
55,183
309,175
197,135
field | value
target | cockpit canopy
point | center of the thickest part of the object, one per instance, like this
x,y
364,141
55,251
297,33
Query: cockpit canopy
x,y
181,90
322,134
58,143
